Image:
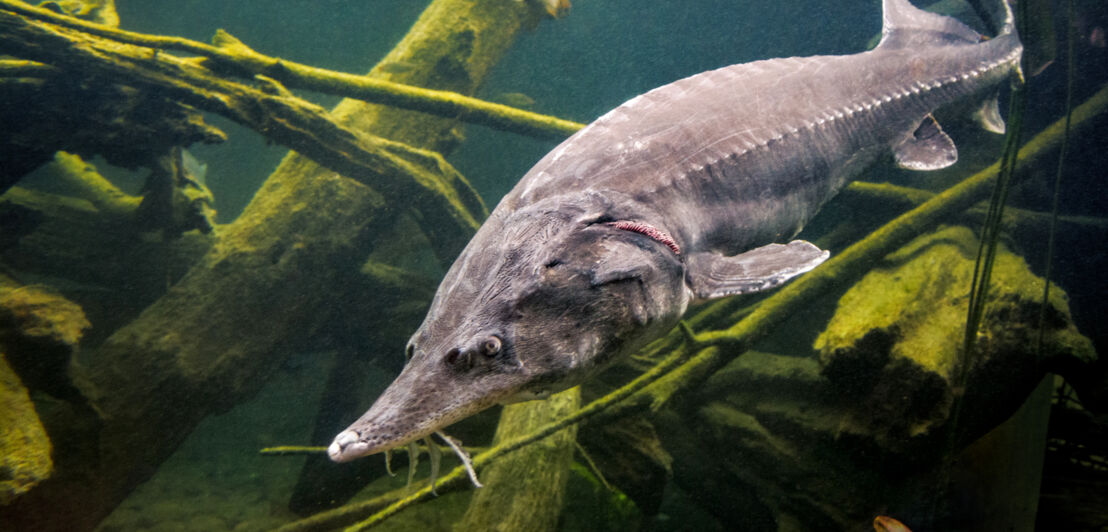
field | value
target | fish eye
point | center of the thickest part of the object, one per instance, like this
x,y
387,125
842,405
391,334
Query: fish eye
x,y
490,346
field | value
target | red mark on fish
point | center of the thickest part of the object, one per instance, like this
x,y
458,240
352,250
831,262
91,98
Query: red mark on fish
x,y
648,230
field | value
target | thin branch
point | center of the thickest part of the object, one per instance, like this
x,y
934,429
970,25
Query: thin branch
x,y
15,68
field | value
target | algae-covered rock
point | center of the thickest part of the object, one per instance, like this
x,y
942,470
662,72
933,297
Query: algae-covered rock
x,y
24,446
895,342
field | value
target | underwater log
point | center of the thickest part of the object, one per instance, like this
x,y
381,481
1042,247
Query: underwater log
x,y
39,332
525,490
891,349
24,446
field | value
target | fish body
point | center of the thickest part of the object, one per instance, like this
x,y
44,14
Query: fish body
x,y
680,194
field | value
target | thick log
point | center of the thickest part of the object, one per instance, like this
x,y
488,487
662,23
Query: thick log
x,y
24,446
525,490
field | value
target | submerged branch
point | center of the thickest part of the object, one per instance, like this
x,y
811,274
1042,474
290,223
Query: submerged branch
x,y
231,54
406,176
908,197
15,68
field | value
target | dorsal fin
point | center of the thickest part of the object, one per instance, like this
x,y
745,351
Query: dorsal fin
x,y
907,26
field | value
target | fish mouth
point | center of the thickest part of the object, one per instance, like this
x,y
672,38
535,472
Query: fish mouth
x,y
392,423
377,432
349,445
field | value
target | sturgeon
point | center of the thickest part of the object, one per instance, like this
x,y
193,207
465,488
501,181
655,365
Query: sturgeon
x,y
683,193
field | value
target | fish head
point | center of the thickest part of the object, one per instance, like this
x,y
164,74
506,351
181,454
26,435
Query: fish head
x,y
539,300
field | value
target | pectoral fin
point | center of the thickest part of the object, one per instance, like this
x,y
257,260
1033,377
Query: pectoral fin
x,y
712,275
988,115
926,148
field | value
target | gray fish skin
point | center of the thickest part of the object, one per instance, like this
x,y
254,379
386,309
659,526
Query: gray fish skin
x,y
563,279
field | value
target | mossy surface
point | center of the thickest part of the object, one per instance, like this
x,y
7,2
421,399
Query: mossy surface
x,y
525,490
24,446
895,342
41,313
922,293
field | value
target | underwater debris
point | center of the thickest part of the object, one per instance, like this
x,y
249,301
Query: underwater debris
x,y
515,99
395,67
884,523
175,197
25,447
229,51
86,182
39,333
98,11
286,256
451,211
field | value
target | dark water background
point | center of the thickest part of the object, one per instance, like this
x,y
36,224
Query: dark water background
x,y
603,53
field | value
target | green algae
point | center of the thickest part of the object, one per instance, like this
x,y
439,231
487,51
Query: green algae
x,y
893,342
24,446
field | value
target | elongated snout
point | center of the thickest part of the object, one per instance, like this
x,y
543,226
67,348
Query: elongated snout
x,y
429,394
412,407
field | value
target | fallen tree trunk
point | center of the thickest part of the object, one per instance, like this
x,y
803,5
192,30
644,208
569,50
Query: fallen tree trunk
x,y
526,490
